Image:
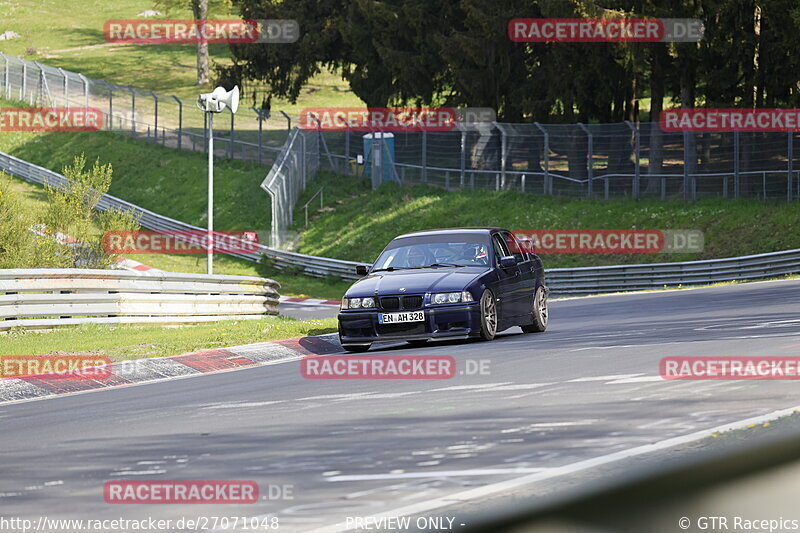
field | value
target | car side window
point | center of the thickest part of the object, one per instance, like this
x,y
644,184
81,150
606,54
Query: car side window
x,y
500,248
516,248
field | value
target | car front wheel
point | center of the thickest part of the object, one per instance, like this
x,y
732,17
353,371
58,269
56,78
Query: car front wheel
x,y
539,312
488,316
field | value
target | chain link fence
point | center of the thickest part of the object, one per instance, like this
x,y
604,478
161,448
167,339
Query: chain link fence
x,y
605,161
250,134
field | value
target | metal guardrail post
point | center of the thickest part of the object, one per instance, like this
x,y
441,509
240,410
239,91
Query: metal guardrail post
x,y
133,109
789,164
424,170
155,115
85,89
548,184
347,149
7,78
304,166
110,105
24,88
65,86
685,167
503,154
736,190
180,120
463,157
589,160
230,140
636,185
288,122
260,116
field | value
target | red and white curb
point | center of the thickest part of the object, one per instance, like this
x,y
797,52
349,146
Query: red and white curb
x,y
166,368
123,263
308,301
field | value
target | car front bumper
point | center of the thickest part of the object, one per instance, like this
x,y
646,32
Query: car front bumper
x,y
457,321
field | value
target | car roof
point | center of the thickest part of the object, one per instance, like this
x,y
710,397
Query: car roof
x,y
445,231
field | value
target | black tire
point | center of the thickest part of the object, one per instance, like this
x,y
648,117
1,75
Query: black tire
x,y
539,313
356,347
488,308
418,342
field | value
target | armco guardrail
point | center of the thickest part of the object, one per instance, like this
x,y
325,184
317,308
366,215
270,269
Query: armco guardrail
x,y
562,281
595,280
44,298
311,265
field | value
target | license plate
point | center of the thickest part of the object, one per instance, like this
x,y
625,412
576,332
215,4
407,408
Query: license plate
x,y
396,318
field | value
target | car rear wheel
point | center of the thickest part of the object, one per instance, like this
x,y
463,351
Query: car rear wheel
x,y
539,312
488,316
356,347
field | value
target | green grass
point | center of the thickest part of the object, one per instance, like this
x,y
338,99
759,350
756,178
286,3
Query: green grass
x,y
70,35
122,342
148,175
357,223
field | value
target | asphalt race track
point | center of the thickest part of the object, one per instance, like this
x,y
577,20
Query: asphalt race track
x,y
585,394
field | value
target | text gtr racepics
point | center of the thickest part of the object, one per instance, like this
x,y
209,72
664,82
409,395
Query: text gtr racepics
x,y
450,283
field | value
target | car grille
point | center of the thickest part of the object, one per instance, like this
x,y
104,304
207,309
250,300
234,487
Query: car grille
x,y
413,328
390,304
394,303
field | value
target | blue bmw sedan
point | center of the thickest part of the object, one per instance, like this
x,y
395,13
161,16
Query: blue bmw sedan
x,y
445,284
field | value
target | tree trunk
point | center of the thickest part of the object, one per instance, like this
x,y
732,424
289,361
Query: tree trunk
x,y
657,92
200,12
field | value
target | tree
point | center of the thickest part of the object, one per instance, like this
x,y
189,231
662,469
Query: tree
x,y
202,10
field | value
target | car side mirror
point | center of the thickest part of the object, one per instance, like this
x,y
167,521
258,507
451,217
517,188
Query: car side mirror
x,y
508,261
361,270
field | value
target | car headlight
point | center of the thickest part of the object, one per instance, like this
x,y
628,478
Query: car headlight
x,y
451,297
358,303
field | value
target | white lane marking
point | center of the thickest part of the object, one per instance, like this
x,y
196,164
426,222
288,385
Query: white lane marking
x,y
139,472
545,425
503,486
604,378
444,473
242,404
519,386
335,396
627,346
641,379
468,387
389,395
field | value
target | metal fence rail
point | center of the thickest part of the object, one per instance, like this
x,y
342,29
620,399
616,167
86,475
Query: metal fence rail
x,y
44,298
618,160
562,281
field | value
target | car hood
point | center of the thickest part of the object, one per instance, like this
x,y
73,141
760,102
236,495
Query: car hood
x,y
437,279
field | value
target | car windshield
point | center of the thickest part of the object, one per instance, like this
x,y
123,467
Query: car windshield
x,y
443,251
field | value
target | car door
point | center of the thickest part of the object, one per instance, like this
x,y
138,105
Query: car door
x,y
525,287
508,277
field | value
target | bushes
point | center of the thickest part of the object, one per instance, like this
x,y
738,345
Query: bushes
x,y
31,239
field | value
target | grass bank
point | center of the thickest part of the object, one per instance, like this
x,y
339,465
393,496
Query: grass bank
x,y
121,342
